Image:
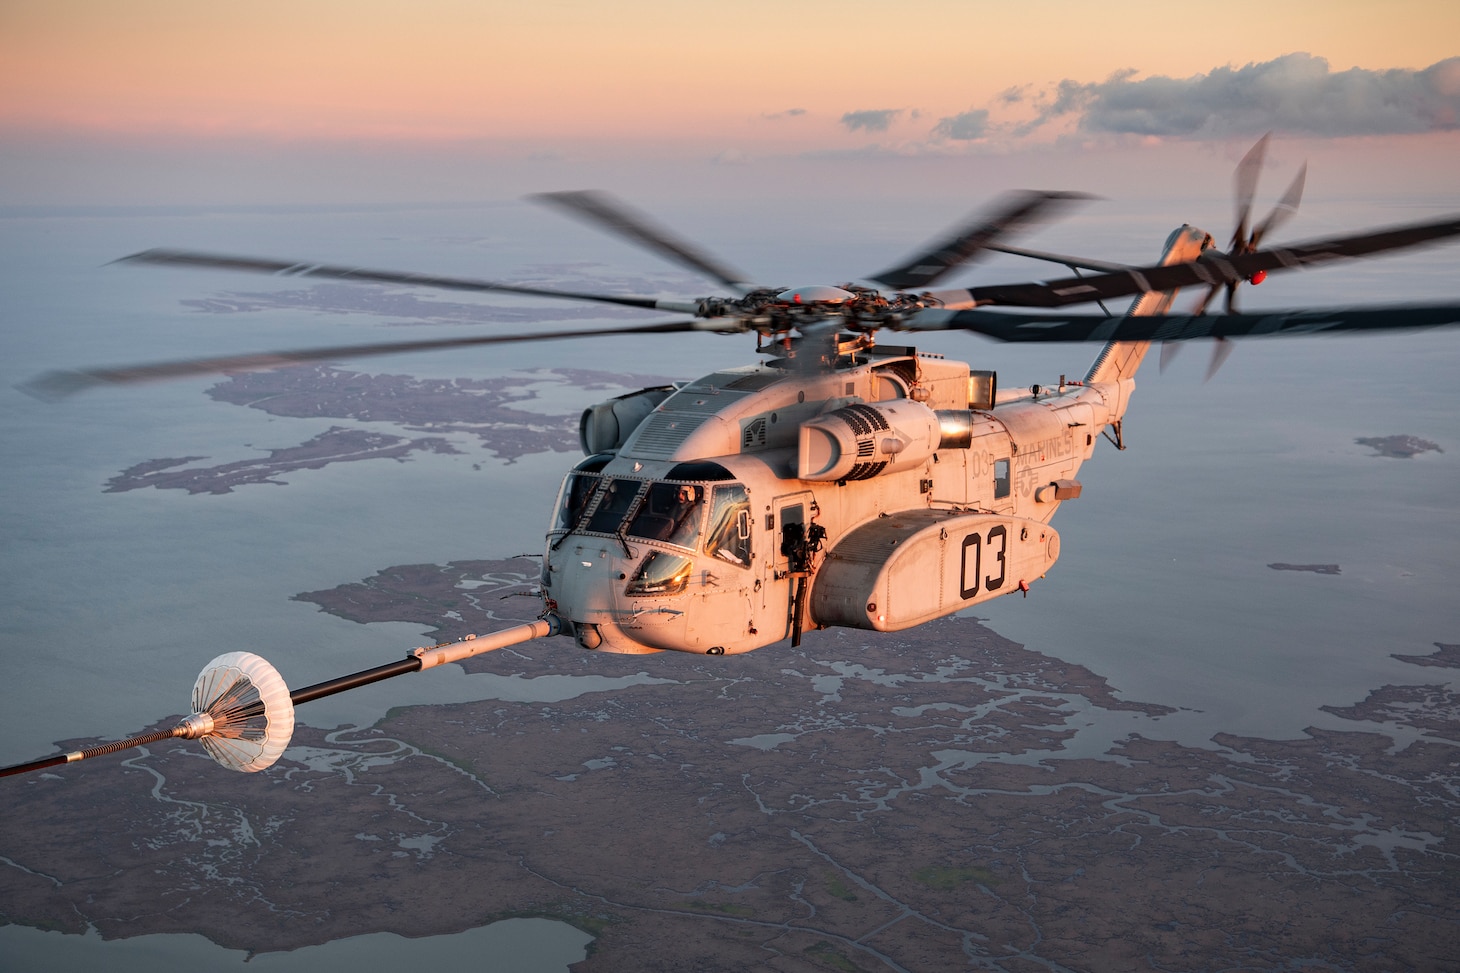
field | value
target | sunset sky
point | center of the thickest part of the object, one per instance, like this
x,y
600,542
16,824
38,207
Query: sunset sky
x,y
713,82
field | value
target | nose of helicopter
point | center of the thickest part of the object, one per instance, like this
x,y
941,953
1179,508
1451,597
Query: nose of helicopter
x,y
584,580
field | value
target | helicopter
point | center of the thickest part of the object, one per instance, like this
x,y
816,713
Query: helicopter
x,y
836,482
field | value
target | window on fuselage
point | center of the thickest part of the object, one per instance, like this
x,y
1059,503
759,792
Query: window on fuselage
x,y
615,497
1001,479
661,573
670,512
729,538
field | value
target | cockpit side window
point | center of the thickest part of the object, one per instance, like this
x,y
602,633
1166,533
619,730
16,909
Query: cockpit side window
x,y
729,538
577,488
670,512
615,497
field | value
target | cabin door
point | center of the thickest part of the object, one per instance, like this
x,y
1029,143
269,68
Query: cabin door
x,y
778,593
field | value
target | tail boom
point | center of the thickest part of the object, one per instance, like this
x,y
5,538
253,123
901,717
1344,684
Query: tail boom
x,y
1118,360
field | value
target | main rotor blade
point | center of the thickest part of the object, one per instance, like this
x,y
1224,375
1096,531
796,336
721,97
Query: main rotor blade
x,y
286,268
1212,269
59,384
1245,187
1007,326
607,213
1083,263
1013,212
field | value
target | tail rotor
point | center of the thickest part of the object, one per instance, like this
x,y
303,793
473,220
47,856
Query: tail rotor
x,y
1247,238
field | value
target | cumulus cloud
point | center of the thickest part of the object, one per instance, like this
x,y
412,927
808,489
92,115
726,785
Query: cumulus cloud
x,y
1295,93
874,120
966,127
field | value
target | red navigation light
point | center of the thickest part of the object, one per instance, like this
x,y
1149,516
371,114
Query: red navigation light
x,y
1258,277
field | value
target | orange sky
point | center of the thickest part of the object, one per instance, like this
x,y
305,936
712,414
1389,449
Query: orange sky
x,y
662,70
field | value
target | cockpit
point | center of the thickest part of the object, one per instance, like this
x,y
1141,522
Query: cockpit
x,y
696,510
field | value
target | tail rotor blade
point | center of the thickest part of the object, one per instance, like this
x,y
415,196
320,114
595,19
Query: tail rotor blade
x,y
1201,307
1221,351
1169,351
1245,184
1231,300
1285,209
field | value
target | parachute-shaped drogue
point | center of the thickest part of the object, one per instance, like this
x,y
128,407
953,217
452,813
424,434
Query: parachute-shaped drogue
x,y
241,712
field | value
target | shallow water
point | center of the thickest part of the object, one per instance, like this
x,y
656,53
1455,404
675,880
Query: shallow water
x,y
516,945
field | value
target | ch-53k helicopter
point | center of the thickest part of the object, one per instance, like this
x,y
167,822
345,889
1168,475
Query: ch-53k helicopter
x,y
837,482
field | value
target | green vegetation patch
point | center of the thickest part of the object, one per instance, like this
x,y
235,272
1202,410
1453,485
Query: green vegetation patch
x,y
836,887
946,879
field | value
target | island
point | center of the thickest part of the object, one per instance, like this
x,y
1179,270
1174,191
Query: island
x,y
487,409
337,445
1398,447
1312,568
933,799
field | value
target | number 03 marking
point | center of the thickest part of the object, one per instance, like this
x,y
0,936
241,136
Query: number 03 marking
x,y
971,575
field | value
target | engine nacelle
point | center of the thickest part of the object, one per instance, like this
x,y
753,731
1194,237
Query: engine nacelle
x,y
863,440
606,426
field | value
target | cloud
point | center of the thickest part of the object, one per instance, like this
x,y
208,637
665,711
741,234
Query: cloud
x,y
788,113
875,120
1295,93
965,127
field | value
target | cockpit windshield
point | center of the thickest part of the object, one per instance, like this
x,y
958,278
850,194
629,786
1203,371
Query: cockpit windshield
x,y
651,510
709,518
669,512
614,498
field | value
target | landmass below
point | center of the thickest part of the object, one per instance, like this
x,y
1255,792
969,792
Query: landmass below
x,y
1446,656
488,409
935,799
336,445
1398,447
